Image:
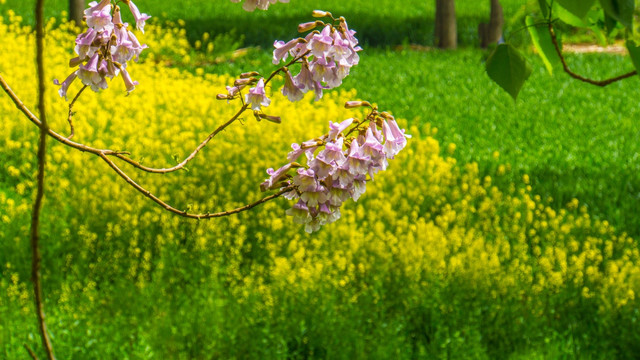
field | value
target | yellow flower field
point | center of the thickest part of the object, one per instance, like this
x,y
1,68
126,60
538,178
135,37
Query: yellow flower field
x,y
434,257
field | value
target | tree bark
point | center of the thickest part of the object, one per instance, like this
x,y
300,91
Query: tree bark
x,y
492,32
446,29
76,11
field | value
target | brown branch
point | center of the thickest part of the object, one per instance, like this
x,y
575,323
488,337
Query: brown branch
x,y
601,83
34,119
183,213
71,112
293,61
242,109
30,351
37,205
188,158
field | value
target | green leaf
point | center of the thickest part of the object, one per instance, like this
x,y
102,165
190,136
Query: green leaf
x,y
621,10
634,54
508,68
567,16
544,7
543,44
599,34
609,23
579,8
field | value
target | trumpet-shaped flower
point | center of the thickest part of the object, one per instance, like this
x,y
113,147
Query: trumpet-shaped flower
x,y
98,15
257,96
290,89
138,17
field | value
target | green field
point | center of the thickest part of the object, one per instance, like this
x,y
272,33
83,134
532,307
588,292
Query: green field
x,y
382,22
448,255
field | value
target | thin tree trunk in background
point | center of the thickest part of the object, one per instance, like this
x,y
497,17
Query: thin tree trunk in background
x,y
37,204
492,32
496,21
76,10
446,29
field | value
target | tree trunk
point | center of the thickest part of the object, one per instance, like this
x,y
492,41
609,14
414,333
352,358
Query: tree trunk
x,y
76,11
492,32
446,30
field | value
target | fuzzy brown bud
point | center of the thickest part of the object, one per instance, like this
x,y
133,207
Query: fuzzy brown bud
x,y
274,119
355,104
320,14
249,74
309,26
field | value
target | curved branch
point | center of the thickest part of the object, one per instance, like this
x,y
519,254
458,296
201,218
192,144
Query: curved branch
x,y
34,119
182,213
601,83
184,162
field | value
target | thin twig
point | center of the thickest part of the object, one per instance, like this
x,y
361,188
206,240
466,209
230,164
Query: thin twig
x,y
34,119
601,83
71,112
293,61
30,351
37,205
193,154
183,213
545,22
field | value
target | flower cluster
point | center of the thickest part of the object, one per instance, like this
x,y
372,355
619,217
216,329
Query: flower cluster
x,y
250,5
106,47
337,166
326,57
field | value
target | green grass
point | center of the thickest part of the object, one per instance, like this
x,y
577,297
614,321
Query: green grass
x,y
574,140
382,22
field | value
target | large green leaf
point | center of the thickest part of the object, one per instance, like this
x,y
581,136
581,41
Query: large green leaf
x,y
621,10
579,8
543,44
634,54
567,16
508,68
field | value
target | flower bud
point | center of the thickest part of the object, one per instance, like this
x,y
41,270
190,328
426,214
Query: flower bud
x,y
222,97
320,14
387,115
239,82
355,104
274,119
75,61
309,26
249,74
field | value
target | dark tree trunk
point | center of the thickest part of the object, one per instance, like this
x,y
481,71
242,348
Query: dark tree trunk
x,y
76,11
492,32
446,30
